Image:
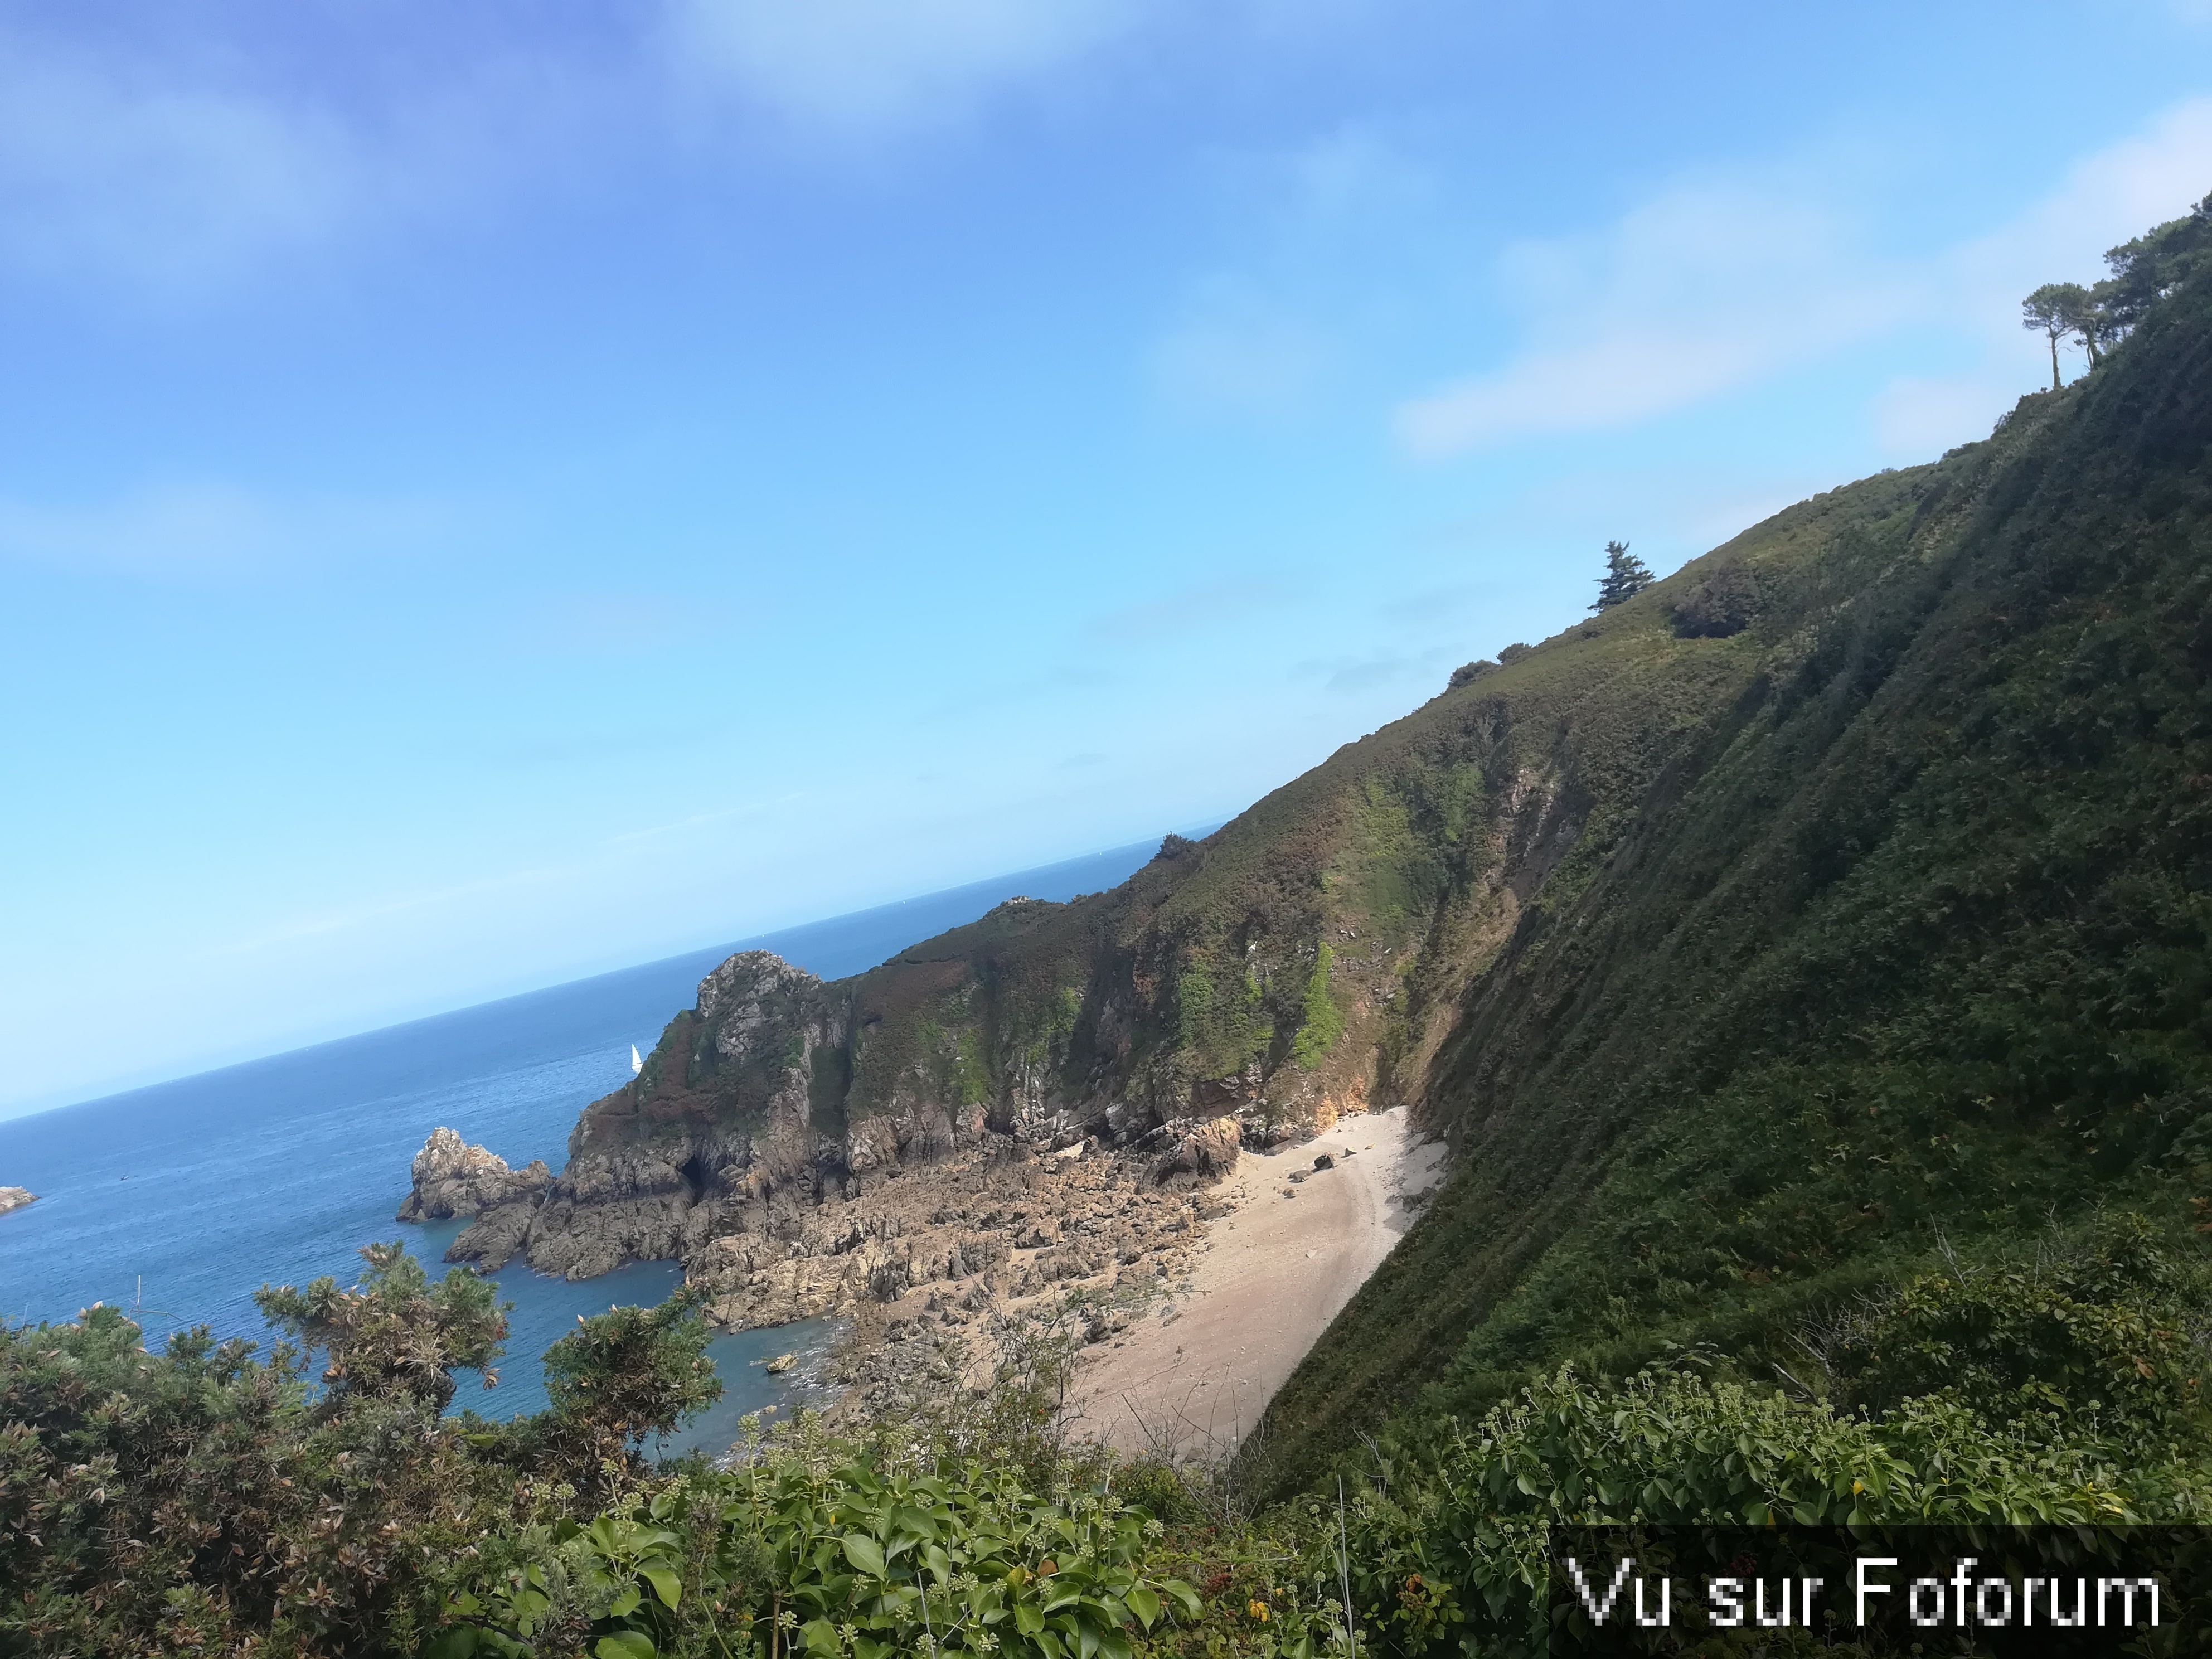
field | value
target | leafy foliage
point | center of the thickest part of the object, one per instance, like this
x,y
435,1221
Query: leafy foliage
x,y
394,1335
631,1373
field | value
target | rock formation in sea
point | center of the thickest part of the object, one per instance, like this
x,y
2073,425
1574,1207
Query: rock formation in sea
x,y
452,1178
14,1198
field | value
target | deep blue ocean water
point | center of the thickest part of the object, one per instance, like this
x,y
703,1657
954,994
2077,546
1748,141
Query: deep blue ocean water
x,y
182,1199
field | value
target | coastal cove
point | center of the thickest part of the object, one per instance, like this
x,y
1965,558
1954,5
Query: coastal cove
x,y
178,1200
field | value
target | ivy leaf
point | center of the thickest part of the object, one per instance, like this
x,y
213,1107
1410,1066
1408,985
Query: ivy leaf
x,y
666,1585
864,1552
625,1644
1142,1602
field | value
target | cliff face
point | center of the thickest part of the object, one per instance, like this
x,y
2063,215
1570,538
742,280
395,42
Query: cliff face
x,y
735,1151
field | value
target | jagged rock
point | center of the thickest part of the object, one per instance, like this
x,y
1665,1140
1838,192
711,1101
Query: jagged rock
x,y
495,1237
14,1198
742,998
452,1178
1207,1152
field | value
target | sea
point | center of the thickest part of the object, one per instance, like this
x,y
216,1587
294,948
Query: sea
x,y
177,1202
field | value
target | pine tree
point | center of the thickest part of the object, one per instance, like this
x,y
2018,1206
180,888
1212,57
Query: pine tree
x,y
1626,576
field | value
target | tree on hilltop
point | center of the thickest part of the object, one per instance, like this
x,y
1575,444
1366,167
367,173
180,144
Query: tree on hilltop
x,y
2147,268
2144,271
2056,309
1626,576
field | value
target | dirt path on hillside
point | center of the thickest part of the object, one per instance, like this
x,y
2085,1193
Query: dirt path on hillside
x,y
1195,1374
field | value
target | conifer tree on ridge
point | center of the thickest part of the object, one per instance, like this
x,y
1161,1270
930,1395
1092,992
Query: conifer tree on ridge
x,y
1626,576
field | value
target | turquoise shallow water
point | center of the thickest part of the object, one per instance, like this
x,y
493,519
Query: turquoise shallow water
x,y
180,1199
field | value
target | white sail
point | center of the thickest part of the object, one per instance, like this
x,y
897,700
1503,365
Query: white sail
x,y
635,1064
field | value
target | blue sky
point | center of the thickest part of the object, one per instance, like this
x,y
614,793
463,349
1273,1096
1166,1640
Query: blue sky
x,y
493,493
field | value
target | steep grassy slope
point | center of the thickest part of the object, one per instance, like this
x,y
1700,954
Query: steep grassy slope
x,y
1903,952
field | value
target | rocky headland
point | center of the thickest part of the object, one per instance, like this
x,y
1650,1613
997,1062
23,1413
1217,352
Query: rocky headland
x,y
14,1198
725,1154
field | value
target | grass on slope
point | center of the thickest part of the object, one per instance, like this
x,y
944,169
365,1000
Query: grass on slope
x,y
1907,954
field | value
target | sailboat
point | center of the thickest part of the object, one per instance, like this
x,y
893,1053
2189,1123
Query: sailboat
x,y
635,1064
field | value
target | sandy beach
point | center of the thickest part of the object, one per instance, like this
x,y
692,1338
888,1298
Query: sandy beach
x,y
1195,1374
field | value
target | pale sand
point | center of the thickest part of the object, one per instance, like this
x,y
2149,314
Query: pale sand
x,y
1194,1377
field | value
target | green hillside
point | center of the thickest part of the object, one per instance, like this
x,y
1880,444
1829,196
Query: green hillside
x,y
1893,947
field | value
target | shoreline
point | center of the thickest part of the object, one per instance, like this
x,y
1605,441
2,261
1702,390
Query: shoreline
x,y
1196,1373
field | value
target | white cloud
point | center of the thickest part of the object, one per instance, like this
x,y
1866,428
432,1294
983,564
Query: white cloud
x,y
2105,198
864,65
178,167
1706,288
1714,287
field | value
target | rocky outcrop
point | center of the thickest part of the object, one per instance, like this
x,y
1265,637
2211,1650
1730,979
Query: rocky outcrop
x,y
955,1239
733,1151
1203,1151
14,1198
452,1178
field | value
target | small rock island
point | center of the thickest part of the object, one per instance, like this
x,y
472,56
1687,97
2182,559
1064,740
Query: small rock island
x,y
452,1178
14,1198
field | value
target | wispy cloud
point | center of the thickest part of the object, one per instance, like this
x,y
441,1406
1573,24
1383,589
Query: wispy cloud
x,y
1705,288
181,163
1351,674
1715,286
1446,599
134,169
210,528
1195,608
693,821
864,66
1273,335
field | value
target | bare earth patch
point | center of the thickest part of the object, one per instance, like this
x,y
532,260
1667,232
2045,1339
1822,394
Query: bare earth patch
x,y
1195,1374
